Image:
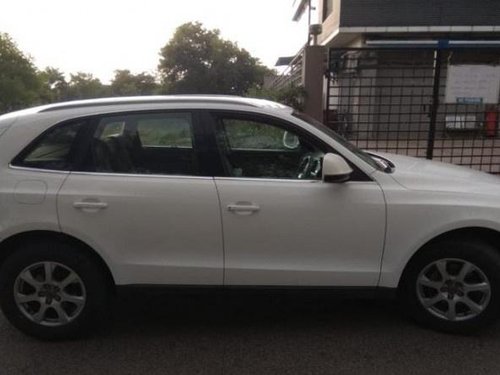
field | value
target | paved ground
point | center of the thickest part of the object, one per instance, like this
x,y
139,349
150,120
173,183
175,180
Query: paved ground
x,y
254,335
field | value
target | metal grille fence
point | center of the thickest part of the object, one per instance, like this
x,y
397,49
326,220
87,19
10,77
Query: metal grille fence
x,y
400,100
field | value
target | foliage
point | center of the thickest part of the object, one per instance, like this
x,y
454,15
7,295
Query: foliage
x,y
199,61
127,84
85,86
195,60
19,83
54,86
293,96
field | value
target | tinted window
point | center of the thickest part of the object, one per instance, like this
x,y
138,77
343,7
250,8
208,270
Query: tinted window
x,y
53,150
144,144
344,142
172,131
253,135
258,148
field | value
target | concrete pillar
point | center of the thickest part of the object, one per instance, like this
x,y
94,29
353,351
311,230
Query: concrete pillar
x,y
313,68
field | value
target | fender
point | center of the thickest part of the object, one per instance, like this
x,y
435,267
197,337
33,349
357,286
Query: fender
x,y
392,272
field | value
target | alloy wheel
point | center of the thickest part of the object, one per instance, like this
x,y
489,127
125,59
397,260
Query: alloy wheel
x,y
453,289
49,293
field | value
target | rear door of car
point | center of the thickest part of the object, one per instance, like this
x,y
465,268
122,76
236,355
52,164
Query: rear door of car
x,y
142,197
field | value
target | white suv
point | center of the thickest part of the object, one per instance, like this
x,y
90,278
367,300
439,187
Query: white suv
x,y
226,191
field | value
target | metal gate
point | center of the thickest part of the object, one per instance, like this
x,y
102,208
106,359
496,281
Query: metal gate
x,y
440,103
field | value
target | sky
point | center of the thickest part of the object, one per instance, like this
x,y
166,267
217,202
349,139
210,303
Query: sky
x,y
100,36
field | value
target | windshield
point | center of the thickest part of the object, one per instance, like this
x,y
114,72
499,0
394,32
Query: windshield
x,y
344,142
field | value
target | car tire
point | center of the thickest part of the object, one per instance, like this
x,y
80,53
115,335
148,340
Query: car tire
x,y
453,286
72,300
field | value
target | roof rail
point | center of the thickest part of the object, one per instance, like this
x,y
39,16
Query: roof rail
x,y
148,100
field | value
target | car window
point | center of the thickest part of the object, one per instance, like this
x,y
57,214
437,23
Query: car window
x,y
253,135
172,131
53,150
144,144
259,148
344,142
112,129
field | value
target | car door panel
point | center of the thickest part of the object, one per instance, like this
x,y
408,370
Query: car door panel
x,y
163,160
303,233
282,224
139,198
265,162
153,229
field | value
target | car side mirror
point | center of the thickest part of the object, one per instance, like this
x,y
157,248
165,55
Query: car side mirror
x,y
335,169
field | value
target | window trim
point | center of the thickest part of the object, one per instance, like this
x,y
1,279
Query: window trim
x,y
138,175
39,170
211,116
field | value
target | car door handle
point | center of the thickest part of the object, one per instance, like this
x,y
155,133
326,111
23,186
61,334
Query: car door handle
x,y
90,205
243,208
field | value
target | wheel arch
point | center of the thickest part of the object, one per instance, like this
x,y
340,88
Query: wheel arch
x,y
486,235
8,246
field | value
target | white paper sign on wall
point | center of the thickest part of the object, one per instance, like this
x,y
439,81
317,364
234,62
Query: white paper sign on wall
x,y
473,84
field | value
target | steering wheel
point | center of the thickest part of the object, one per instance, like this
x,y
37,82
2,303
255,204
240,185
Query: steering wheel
x,y
309,166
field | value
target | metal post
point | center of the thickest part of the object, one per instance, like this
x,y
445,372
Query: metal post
x,y
328,76
435,103
326,116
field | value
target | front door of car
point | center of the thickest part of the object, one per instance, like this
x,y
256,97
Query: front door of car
x,y
140,199
282,224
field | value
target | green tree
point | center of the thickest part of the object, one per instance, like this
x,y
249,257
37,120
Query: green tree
x,y
86,86
19,83
54,85
199,61
127,84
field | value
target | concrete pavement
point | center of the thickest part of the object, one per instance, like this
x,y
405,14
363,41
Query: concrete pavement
x,y
248,334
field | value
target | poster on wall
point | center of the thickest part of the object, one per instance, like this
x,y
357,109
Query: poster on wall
x,y
473,84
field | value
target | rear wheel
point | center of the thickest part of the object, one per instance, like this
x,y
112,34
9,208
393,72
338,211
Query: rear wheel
x,y
453,286
52,290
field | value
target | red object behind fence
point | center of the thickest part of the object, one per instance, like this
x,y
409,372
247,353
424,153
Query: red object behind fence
x,y
491,122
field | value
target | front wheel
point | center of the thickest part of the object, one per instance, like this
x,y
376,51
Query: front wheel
x,y
52,290
453,286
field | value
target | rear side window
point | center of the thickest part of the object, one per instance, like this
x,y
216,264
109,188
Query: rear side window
x,y
172,131
53,150
154,143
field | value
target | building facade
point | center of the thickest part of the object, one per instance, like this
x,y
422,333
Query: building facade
x,y
420,77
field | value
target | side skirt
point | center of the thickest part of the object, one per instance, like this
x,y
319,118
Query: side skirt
x,y
335,292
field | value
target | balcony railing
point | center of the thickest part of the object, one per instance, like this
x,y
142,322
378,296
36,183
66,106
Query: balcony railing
x,y
292,74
